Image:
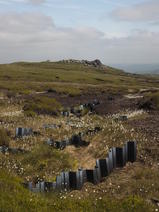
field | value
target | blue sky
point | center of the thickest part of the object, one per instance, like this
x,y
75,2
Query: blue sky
x,y
115,31
76,13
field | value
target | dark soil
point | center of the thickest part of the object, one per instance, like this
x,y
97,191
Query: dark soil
x,y
149,127
147,104
109,104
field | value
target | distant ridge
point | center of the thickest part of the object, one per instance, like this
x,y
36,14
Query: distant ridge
x,y
155,72
138,68
94,64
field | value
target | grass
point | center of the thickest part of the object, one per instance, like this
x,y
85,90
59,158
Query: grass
x,y
150,101
42,105
154,97
45,161
24,78
14,197
129,189
4,138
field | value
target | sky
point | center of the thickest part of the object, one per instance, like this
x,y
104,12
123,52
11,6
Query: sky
x,y
114,31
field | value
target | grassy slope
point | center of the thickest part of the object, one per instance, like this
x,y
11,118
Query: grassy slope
x,y
154,97
10,186
26,77
42,161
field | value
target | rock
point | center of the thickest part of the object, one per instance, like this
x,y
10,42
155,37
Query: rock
x,y
95,63
3,149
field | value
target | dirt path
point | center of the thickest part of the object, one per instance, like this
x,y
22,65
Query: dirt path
x,y
134,96
82,157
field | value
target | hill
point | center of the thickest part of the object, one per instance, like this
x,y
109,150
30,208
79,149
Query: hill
x,y
138,68
63,100
155,72
71,77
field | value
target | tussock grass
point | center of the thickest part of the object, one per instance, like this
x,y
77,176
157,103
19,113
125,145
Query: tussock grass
x,y
154,97
4,138
46,161
25,78
43,162
42,105
150,101
14,197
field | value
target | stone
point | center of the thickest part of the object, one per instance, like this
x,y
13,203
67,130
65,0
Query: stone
x,y
50,126
4,149
50,142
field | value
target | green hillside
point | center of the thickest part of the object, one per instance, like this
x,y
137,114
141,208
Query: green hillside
x,y
27,77
34,94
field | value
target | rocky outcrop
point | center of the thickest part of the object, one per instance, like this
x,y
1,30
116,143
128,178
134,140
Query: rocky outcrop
x,y
95,63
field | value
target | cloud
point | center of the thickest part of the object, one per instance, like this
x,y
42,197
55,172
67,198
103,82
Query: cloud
x,y
34,36
144,12
21,23
36,2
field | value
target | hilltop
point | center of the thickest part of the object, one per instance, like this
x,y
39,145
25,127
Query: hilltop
x,y
95,63
67,77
